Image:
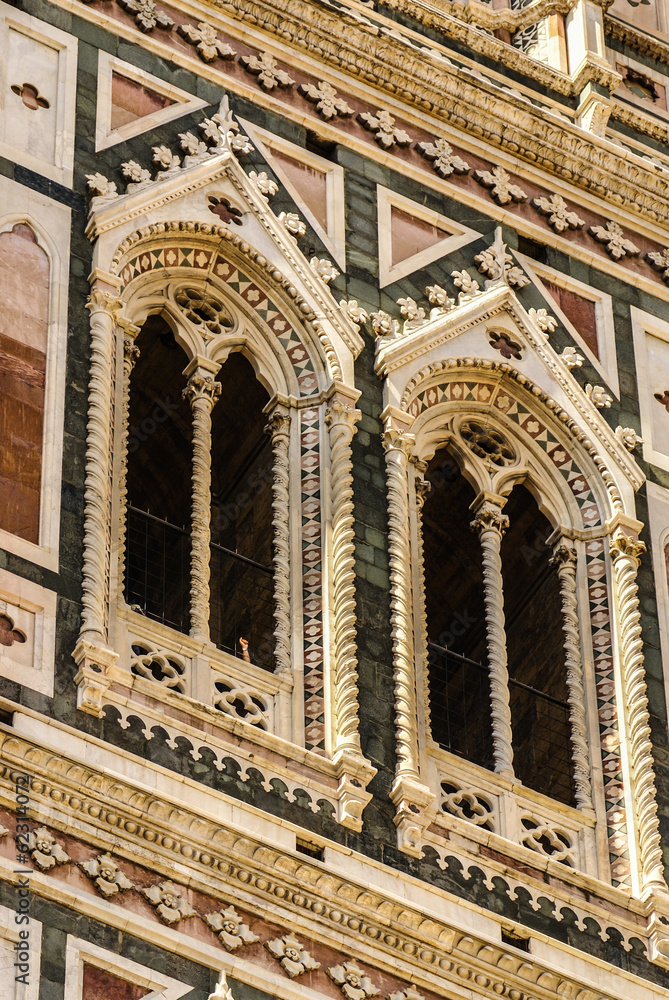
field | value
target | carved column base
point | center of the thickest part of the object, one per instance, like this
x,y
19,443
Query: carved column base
x,y
92,678
355,773
411,800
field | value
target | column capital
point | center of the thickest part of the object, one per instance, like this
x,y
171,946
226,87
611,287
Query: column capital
x,y
202,386
624,545
487,508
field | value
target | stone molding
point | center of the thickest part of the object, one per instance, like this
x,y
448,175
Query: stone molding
x,y
503,119
266,876
290,304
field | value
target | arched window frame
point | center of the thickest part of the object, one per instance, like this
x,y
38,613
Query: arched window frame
x,y
50,222
457,345
302,346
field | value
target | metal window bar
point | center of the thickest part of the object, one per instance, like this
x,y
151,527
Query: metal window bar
x,y
460,705
242,605
460,712
158,583
157,578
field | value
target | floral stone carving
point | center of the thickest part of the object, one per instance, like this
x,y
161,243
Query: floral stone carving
x,y
106,874
292,956
324,96
232,932
444,161
352,981
385,131
355,313
500,186
659,261
207,42
265,67
147,15
44,850
617,246
168,901
557,212
598,395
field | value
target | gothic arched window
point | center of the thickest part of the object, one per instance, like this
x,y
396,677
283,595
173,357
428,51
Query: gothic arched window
x,y
459,683
516,645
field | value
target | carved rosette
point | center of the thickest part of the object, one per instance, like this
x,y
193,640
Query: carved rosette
x,y
565,559
625,555
201,392
408,794
354,771
278,427
490,524
130,356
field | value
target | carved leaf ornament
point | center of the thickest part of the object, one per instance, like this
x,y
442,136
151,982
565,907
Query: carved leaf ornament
x,y
352,981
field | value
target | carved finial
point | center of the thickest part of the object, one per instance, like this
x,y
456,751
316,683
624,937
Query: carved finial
x,y
324,268
355,313
628,437
572,358
222,991
411,311
383,324
499,266
598,395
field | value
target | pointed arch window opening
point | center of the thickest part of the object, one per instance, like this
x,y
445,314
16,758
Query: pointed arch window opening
x,y
459,667
158,571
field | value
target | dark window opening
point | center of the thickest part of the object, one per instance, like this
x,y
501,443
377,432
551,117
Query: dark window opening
x,y
157,577
459,686
458,670
158,541
242,582
534,640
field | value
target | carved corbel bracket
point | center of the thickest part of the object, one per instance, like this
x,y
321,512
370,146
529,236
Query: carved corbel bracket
x,y
92,678
658,931
411,800
355,773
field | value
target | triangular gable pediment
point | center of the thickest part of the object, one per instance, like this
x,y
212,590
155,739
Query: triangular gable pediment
x,y
493,327
208,189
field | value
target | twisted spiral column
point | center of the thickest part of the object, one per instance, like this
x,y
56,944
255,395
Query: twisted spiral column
x,y
565,561
130,356
490,524
422,488
201,392
341,420
397,447
625,553
104,309
278,427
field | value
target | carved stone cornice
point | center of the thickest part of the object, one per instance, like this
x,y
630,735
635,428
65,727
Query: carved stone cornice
x,y
141,823
426,79
638,39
